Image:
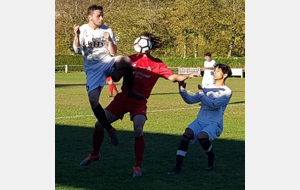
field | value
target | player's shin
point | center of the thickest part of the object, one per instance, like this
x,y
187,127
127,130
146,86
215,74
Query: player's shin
x,y
98,137
139,149
207,147
181,152
100,115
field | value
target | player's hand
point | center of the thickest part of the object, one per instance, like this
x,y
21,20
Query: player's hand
x,y
107,36
194,74
76,30
181,85
200,88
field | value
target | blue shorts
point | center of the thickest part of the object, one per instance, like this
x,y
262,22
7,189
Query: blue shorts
x,y
96,74
213,129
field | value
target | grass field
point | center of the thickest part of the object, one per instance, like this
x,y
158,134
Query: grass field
x,y
168,115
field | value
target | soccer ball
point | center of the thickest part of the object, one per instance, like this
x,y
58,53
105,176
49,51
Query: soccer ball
x,y
142,44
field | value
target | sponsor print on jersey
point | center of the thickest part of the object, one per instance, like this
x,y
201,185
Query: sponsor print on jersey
x,y
97,42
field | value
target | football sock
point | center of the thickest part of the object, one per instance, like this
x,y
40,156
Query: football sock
x,y
128,80
139,149
181,151
115,88
110,86
100,115
98,137
207,147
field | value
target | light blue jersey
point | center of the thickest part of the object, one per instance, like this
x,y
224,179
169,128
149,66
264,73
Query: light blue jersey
x,y
214,101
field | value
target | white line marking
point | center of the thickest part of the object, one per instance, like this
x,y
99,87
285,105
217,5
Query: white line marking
x,y
153,111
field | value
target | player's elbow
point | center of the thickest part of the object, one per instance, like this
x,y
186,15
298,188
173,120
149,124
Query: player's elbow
x,y
172,78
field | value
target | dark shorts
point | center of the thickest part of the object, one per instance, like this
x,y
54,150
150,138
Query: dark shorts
x,y
121,105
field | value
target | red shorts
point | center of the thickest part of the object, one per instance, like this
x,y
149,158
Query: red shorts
x,y
122,104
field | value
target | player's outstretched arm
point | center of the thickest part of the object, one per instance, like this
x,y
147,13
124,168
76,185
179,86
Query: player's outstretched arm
x,y
180,78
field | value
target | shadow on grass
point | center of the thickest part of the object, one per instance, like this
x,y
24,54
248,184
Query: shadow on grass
x,y
114,170
240,102
67,85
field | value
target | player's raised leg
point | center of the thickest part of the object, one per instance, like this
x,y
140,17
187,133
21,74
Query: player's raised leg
x,y
124,63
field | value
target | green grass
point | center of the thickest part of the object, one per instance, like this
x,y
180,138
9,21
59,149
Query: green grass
x,y
168,115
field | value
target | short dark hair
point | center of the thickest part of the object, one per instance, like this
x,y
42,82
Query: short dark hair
x,y
208,54
93,8
156,41
225,69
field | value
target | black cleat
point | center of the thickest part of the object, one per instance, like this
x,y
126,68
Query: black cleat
x,y
174,171
211,163
113,138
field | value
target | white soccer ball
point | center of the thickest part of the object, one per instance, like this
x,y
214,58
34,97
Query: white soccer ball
x,y
142,44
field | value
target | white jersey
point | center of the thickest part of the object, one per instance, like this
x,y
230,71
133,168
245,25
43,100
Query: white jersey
x,y
98,63
208,76
214,101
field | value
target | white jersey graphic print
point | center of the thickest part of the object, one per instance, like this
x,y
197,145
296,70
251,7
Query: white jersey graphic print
x,y
93,45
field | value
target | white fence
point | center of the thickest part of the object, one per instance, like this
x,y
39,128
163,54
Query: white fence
x,y
188,70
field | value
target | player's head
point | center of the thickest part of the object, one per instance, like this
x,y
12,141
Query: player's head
x,y
156,41
225,69
95,15
207,56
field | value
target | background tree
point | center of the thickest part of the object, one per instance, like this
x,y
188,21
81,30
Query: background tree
x,y
187,28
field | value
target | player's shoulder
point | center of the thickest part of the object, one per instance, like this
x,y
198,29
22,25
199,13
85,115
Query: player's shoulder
x,y
105,27
155,59
228,90
135,57
84,26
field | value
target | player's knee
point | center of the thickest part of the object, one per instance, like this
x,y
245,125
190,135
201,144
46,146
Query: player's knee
x,y
93,101
98,126
188,133
138,131
203,135
123,61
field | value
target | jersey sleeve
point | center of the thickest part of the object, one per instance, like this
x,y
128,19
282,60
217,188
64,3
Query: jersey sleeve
x,y
190,99
223,100
164,71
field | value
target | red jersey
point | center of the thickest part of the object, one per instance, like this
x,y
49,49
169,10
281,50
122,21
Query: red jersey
x,y
146,71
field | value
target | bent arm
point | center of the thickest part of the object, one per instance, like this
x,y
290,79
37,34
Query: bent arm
x,y
190,99
216,102
76,45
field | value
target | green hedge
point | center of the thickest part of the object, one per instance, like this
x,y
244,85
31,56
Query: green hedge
x,y
61,60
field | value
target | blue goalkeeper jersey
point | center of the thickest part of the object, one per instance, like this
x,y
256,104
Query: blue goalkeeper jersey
x,y
214,101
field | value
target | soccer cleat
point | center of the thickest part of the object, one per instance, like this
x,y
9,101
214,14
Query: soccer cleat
x,y
211,163
174,171
89,160
113,138
137,171
132,94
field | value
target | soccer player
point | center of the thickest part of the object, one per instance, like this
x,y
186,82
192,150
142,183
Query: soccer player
x,y
147,70
97,44
111,86
208,76
209,123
